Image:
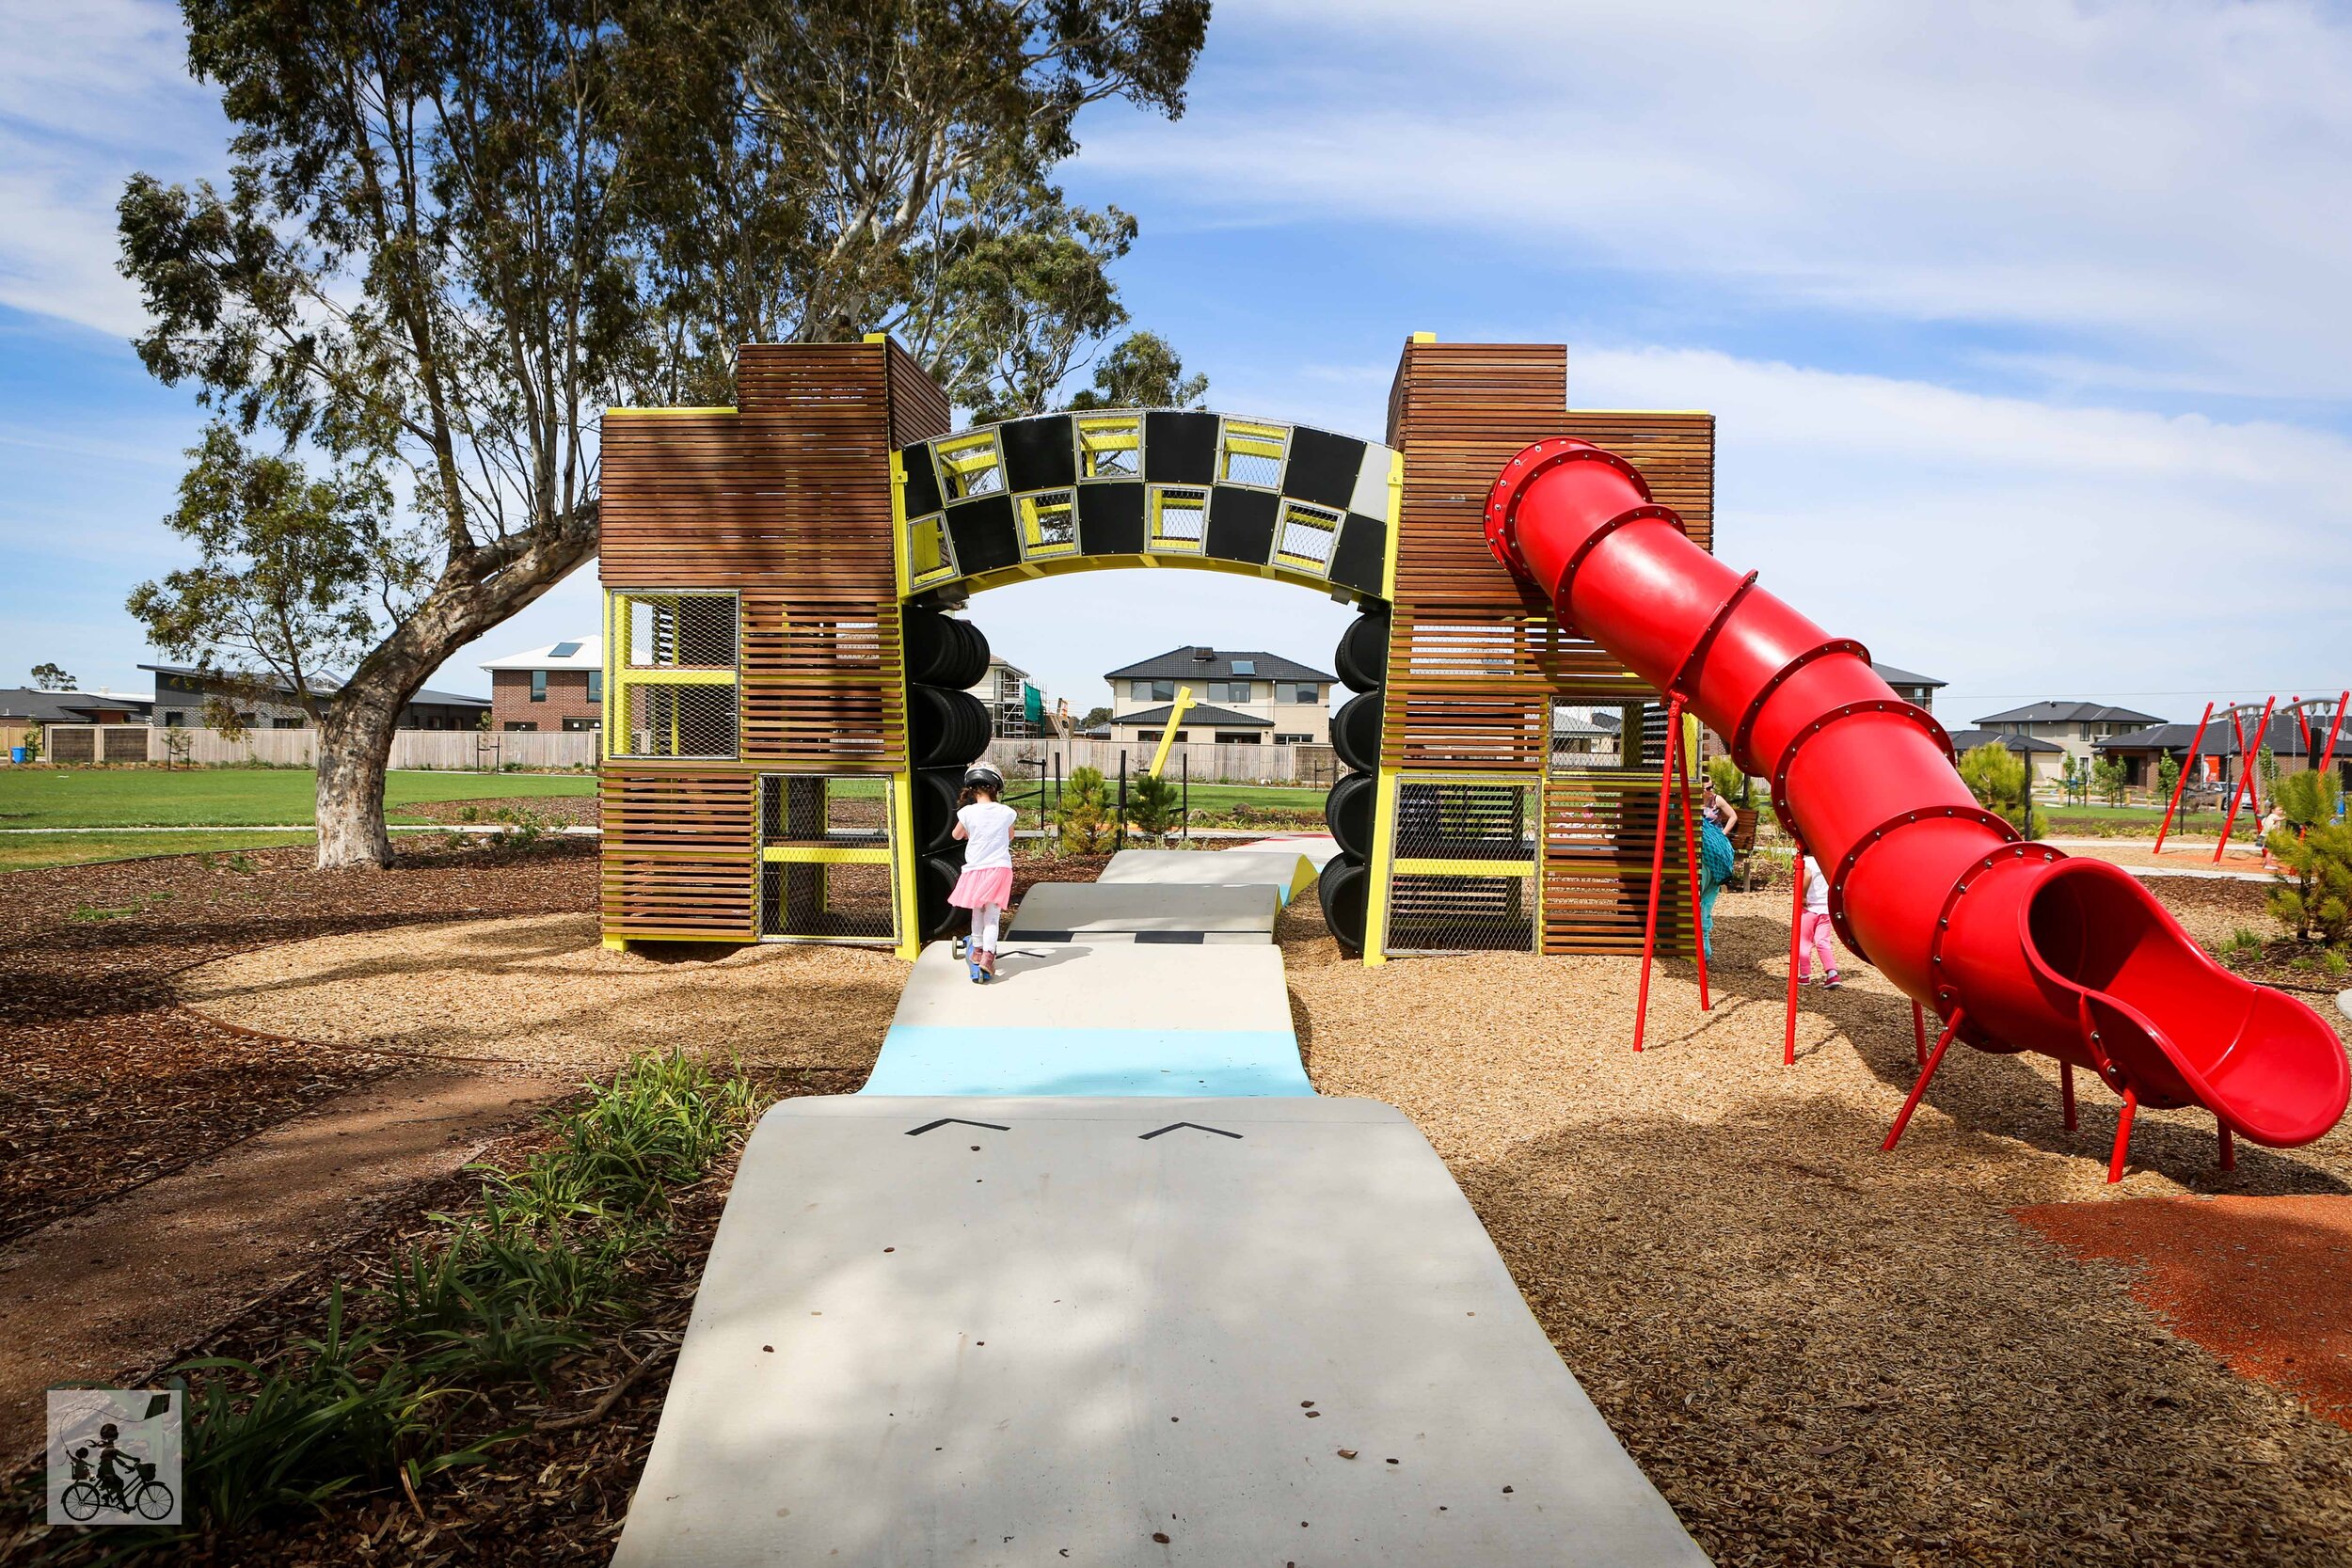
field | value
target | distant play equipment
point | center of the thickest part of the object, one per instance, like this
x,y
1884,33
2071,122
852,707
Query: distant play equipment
x,y
2016,947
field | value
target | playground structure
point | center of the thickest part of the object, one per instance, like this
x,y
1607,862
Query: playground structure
x,y
783,717
2312,718
1088,1262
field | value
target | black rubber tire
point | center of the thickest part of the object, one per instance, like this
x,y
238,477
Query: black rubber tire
x,y
942,650
935,878
936,790
1343,888
947,729
1348,811
1363,656
1355,733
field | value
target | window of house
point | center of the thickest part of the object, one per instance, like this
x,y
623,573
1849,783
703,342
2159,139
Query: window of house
x,y
538,685
595,685
1152,692
1299,692
1294,740
522,726
576,726
1237,737
1233,691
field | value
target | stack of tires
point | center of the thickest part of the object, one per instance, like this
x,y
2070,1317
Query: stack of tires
x,y
947,729
1362,662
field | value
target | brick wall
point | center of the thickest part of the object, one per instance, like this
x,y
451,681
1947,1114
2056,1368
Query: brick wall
x,y
567,698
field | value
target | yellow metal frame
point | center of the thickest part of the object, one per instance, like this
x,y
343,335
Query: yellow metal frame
x,y
1167,736
964,460
1307,515
1381,866
1384,865
1248,438
1035,510
825,854
1162,542
1102,434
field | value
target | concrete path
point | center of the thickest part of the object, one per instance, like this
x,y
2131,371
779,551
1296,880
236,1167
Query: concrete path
x,y
1289,872
1095,1019
145,1275
1174,912
1111,1331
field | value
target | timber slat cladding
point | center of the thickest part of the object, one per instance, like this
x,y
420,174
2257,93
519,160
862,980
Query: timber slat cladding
x,y
1674,452
786,500
1476,660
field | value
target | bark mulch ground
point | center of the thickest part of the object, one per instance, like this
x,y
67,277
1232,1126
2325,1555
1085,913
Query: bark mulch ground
x,y
1821,1353
105,1082
569,809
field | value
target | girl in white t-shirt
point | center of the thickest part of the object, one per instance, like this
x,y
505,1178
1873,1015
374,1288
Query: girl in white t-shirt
x,y
985,825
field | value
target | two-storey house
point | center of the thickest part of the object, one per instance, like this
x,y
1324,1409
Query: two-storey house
x,y
1238,699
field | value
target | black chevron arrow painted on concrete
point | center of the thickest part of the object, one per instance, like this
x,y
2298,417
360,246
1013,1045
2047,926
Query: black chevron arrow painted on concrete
x,y
951,1121
1195,1125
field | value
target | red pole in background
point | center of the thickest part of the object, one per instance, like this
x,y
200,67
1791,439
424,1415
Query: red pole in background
x,y
1656,873
2246,770
1796,936
2327,763
1689,850
2181,783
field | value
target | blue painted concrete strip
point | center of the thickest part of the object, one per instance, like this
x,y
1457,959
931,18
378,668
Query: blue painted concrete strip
x,y
948,1059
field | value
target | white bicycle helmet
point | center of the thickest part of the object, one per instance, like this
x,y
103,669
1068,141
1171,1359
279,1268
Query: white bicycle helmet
x,y
982,776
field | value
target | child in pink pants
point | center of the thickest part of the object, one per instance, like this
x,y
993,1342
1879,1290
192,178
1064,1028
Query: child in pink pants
x,y
1815,933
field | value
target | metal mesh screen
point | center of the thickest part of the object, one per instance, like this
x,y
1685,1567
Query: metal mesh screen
x,y
816,810
662,719
845,903
681,631
1464,874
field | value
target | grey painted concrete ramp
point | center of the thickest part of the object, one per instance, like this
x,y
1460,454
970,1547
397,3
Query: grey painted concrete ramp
x,y
1090,912
1084,1332
1289,872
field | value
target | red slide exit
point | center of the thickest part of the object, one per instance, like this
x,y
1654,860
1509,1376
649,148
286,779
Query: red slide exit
x,y
2016,947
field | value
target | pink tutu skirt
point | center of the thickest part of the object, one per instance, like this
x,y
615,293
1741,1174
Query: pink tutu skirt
x,y
978,889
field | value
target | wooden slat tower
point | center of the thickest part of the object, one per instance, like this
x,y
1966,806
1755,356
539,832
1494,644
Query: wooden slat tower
x,y
758,561
1477,661
775,514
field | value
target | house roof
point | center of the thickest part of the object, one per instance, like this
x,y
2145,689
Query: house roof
x,y
324,683
2285,738
1895,675
1215,664
2056,712
1198,713
66,707
1965,741
573,653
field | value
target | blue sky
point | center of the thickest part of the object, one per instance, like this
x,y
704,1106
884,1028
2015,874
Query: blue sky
x,y
2024,323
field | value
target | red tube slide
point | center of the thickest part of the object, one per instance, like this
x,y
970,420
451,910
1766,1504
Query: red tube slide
x,y
2030,950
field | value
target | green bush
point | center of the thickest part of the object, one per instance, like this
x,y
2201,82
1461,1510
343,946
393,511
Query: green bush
x,y
1085,812
1996,777
2313,894
1154,803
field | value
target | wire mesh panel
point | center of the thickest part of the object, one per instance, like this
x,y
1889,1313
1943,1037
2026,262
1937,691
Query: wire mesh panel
x,y
825,869
661,720
681,631
1465,875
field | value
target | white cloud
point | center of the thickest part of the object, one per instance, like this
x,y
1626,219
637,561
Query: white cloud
x,y
92,91
2160,186
2014,546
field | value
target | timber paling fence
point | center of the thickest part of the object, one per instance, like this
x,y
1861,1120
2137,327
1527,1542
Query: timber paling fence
x,y
445,751
474,751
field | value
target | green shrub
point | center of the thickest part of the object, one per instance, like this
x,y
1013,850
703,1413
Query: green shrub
x,y
1154,803
2313,894
1085,812
1996,777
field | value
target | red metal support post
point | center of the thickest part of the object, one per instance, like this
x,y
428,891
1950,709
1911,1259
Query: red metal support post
x,y
2122,1136
2066,1093
1656,874
2189,764
1919,1090
1690,847
1919,1035
2246,767
1796,938
2327,761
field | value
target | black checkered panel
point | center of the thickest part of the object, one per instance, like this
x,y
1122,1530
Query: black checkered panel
x,y
1171,483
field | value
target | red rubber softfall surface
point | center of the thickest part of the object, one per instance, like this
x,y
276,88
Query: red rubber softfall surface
x,y
2033,951
2264,1283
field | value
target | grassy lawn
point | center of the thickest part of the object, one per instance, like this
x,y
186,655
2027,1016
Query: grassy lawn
x,y
32,851
2132,822
1022,792
229,796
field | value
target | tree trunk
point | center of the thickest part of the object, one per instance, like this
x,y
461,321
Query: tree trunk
x,y
356,730
355,746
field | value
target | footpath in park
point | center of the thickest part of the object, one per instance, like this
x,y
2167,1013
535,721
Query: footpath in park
x,y
1089,1271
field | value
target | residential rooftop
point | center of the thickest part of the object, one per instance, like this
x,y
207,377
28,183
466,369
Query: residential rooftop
x,y
2057,712
1212,664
